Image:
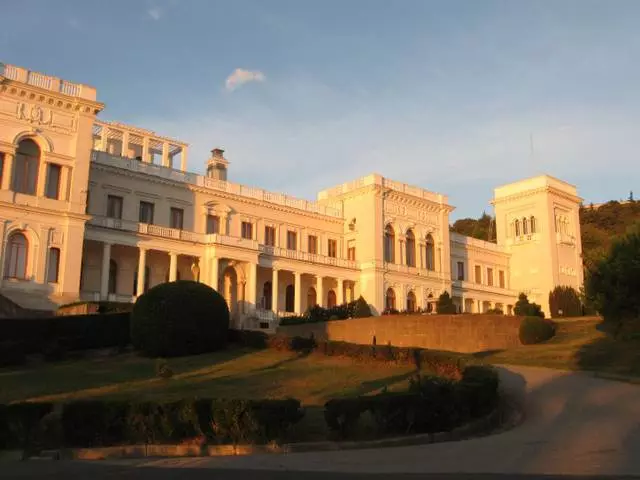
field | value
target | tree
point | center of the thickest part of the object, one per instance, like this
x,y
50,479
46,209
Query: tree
x,y
564,301
482,228
445,304
525,309
361,308
612,285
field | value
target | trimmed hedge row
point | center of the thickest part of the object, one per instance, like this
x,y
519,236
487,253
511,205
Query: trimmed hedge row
x,y
93,423
76,308
53,335
356,309
432,404
535,330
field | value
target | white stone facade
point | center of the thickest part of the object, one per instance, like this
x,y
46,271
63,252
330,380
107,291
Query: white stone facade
x,y
98,210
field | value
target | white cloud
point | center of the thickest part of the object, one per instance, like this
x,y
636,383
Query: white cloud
x,y
240,76
155,13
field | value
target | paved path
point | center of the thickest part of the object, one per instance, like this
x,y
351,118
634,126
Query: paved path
x,y
575,425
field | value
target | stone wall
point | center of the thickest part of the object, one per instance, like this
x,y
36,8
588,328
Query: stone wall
x,y
457,333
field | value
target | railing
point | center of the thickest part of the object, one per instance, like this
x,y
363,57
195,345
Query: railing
x,y
231,241
484,288
145,228
40,80
134,165
308,257
423,272
71,89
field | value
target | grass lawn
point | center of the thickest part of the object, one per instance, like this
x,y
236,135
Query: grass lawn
x,y
578,345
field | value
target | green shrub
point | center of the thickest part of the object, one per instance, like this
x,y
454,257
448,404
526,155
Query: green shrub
x,y
12,354
19,423
249,338
525,309
93,423
564,301
179,318
294,320
445,304
535,330
361,308
342,414
478,390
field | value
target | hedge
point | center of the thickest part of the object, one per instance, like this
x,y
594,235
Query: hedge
x,y
535,330
94,423
94,307
24,336
432,404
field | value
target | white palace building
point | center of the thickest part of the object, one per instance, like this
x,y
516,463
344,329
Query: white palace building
x,y
97,210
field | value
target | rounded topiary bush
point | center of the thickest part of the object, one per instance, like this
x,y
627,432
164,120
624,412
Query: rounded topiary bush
x,y
535,330
179,318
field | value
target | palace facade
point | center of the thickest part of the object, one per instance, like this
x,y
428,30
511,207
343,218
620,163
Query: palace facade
x,y
99,210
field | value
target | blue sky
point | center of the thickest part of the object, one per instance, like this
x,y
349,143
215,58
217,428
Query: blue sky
x,y
445,95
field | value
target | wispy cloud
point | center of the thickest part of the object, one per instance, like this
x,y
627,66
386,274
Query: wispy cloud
x,y
240,76
155,13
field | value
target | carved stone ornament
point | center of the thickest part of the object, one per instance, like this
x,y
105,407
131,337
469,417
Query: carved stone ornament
x,y
33,114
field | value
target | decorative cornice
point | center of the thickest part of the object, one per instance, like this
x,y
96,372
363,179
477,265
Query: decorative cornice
x,y
49,98
530,193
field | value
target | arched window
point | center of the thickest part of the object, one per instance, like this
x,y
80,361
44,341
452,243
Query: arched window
x,y
430,258
410,247
331,299
53,265
532,223
389,244
312,299
267,295
25,169
517,227
390,299
525,226
411,302
289,299
113,276
16,256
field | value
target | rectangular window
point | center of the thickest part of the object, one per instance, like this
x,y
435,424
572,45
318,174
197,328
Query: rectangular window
x,y
114,206
177,218
52,189
53,265
351,250
292,240
460,270
490,277
332,248
247,230
501,278
213,224
146,212
312,244
25,176
478,270
270,236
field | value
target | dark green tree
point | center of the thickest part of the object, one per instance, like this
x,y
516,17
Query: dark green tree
x,y
361,308
564,301
445,304
524,308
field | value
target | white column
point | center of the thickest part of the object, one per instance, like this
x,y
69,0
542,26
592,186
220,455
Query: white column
x,y
253,286
320,291
145,149
125,144
173,266
104,273
142,264
104,139
274,290
297,290
165,154
183,160
7,171
214,274
340,292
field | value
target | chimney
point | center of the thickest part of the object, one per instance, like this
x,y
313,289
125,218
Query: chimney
x,y
217,165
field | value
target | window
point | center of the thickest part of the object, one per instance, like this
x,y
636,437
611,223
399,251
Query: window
x,y
331,299
525,225
490,277
16,256
246,230
53,265
411,302
532,223
114,206
270,236
146,212
430,258
501,279
52,189
390,299
26,164
351,253
332,248
289,298
389,244
410,247
312,241
292,240
460,270
478,272
176,219
517,227
213,224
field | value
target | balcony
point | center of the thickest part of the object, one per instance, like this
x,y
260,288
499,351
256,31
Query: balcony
x,y
147,229
47,82
417,271
259,194
465,285
308,257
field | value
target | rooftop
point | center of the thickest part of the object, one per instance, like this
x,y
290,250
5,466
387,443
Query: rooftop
x,y
534,183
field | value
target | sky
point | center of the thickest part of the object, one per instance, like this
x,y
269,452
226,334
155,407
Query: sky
x,y
455,96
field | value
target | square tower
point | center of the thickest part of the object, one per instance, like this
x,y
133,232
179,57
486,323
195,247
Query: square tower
x,y
538,223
